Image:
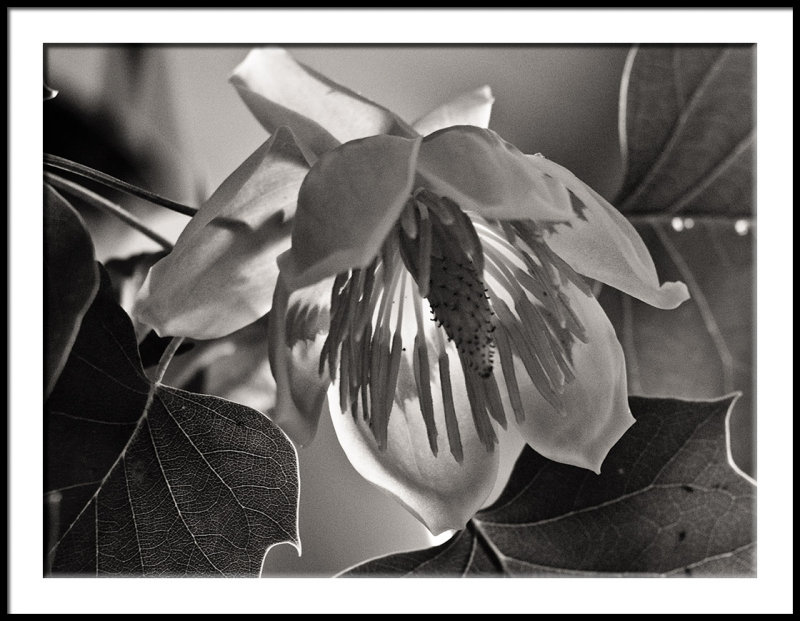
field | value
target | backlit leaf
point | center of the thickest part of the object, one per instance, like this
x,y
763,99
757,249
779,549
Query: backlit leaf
x,y
144,479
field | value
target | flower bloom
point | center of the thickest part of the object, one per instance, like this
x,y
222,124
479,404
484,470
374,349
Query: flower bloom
x,y
433,290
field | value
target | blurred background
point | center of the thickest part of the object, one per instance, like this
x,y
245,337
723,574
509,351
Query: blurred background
x,y
165,118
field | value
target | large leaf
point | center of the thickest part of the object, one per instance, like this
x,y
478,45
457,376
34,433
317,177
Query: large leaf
x,y
668,502
144,479
70,280
687,120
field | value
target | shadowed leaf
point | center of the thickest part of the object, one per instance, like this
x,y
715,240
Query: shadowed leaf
x,y
687,121
152,480
668,502
70,280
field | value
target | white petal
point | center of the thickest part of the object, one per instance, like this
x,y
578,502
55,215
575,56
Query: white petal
x,y
221,273
348,204
442,493
472,108
606,247
235,367
294,352
281,91
483,173
596,413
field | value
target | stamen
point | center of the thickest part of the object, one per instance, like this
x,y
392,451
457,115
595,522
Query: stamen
x,y
521,346
422,375
379,365
573,322
494,402
366,359
529,325
388,392
339,320
408,220
540,282
424,257
477,402
369,298
535,328
324,359
548,290
450,418
389,252
384,389
384,360
344,380
354,364
338,283
509,231
533,239
433,203
507,363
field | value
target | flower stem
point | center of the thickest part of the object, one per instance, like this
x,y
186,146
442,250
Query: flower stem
x,y
166,358
106,205
54,161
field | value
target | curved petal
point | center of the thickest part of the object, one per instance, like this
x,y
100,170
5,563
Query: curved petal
x,y
220,275
596,412
348,203
441,492
483,173
603,245
235,367
472,108
280,91
298,326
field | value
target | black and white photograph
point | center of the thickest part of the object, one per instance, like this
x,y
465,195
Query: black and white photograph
x,y
328,310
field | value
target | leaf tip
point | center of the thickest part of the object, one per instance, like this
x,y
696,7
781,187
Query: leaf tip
x,y
733,397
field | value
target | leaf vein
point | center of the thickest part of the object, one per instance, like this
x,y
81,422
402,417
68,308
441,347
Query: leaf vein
x,y
108,375
133,514
605,504
677,130
228,487
175,502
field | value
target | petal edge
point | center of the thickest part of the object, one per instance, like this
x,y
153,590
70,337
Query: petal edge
x,y
603,245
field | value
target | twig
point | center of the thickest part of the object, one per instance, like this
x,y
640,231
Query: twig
x,y
54,161
166,358
106,205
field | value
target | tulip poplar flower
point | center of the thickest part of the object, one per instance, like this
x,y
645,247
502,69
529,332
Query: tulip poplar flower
x,y
433,289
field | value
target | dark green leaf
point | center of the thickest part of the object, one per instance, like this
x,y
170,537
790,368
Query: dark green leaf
x,y
70,280
151,480
687,117
705,347
667,503
689,137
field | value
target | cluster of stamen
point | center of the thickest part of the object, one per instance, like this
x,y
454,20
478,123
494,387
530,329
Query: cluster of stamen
x,y
438,246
